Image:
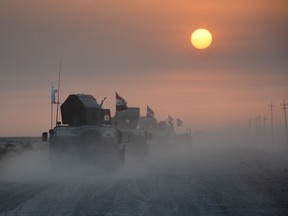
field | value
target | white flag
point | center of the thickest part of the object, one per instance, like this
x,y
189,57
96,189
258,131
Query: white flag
x,y
53,94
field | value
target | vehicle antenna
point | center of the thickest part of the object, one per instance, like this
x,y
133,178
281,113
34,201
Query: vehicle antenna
x,y
58,94
102,101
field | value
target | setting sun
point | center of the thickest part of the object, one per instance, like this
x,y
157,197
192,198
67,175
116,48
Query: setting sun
x,y
201,38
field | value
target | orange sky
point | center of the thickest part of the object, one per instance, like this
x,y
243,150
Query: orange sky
x,y
143,51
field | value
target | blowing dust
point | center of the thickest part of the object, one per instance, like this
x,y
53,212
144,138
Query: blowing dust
x,y
210,154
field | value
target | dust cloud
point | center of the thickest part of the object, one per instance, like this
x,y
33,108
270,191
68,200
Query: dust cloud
x,y
224,173
213,153
25,166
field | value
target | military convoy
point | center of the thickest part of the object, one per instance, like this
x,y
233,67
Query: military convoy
x,y
89,134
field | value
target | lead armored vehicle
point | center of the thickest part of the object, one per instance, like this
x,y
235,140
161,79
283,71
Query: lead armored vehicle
x,y
86,134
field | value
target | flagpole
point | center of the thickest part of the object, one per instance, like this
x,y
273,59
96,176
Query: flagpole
x,y
58,93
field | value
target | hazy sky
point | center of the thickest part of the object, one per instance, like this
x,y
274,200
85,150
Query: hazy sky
x,y
142,50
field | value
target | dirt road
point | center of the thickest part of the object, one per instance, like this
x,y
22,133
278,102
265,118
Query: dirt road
x,y
198,181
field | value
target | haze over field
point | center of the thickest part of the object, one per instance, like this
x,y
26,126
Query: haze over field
x,y
202,179
142,50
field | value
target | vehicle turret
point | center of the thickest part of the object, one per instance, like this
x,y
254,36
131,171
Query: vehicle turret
x,y
83,109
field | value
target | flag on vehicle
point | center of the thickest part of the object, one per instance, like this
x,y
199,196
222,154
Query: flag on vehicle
x,y
150,112
170,121
53,94
179,122
121,104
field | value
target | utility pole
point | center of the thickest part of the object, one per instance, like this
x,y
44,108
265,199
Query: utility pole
x,y
259,121
264,120
271,120
284,105
249,124
256,124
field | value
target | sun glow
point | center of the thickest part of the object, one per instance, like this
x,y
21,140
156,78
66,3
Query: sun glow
x,y
201,38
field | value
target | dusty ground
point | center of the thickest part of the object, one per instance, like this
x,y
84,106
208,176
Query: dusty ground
x,y
218,180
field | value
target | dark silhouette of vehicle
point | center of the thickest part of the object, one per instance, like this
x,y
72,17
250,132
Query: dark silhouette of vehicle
x,y
86,134
127,121
160,132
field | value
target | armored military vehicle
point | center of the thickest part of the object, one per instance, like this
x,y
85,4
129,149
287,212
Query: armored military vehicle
x,y
127,121
86,134
161,132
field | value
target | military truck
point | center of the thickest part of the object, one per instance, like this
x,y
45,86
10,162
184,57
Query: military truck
x,y
86,134
127,121
161,132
